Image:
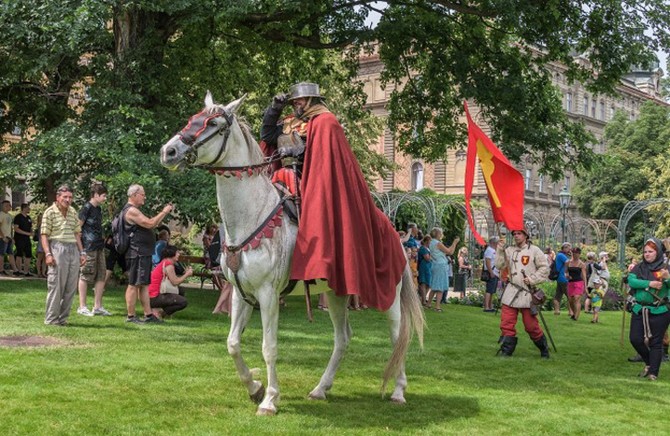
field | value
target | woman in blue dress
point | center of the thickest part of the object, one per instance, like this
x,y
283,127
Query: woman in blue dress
x,y
425,268
439,282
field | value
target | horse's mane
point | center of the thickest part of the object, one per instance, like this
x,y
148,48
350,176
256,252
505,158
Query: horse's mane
x,y
246,131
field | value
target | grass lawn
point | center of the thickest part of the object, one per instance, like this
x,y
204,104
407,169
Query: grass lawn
x,y
176,378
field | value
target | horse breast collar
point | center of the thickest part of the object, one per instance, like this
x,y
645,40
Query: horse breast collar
x,y
265,230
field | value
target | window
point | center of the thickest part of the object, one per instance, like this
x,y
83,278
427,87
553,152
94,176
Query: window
x,y
568,101
586,105
602,110
612,112
567,181
417,176
16,131
540,183
529,174
593,108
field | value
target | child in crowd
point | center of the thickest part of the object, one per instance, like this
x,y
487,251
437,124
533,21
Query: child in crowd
x,y
597,296
413,264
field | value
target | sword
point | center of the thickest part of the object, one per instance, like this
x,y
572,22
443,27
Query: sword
x,y
539,311
502,294
308,297
546,329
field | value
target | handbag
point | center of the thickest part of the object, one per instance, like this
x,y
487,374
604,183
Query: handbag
x,y
166,285
538,298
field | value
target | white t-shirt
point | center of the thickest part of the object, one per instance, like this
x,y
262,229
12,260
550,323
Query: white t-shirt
x,y
6,224
490,253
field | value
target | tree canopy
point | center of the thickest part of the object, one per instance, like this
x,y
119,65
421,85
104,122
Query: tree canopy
x,y
634,167
142,68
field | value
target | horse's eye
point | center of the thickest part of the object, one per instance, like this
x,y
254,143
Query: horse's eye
x,y
212,122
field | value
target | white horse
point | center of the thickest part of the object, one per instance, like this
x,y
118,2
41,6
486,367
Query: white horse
x,y
259,241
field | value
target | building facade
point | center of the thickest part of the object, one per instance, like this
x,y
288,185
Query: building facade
x,y
447,176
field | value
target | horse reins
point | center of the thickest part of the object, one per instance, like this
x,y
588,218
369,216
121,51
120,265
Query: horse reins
x,y
191,136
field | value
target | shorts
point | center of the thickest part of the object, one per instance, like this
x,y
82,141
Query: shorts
x,y
139,270
24,248
93,270
596,309
492,285
561,290
6,247
114,257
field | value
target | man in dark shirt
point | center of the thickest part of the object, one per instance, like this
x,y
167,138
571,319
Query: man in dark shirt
x,y
93,271
138,257
23,228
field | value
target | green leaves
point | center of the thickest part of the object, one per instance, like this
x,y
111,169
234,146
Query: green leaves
x,y
138,69
634,167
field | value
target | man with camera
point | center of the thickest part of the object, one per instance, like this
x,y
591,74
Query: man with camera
x,y
138,257
527,266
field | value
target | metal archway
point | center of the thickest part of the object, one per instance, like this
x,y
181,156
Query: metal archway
x,y
390,202
596,228
536,222
629,210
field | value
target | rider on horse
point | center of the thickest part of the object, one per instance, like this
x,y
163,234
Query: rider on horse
x,y
343,237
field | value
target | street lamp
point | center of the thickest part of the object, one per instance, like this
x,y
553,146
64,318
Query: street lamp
x,y
564,198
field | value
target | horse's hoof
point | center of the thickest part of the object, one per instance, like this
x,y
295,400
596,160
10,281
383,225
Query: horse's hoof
x,y
400,400
262,411
314,395
258,396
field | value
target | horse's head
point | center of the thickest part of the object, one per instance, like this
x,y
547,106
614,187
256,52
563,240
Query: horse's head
x,y
204,139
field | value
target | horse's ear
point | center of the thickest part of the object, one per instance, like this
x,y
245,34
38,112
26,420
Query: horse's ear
x,y
209,101
232,107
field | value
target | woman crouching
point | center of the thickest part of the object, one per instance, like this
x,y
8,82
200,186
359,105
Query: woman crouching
x,y
166,304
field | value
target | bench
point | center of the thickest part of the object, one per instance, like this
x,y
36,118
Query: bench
x,y
204,274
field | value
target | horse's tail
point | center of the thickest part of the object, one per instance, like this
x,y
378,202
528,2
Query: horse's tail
x,y
412,321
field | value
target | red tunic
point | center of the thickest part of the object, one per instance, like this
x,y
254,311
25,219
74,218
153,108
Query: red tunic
x,y
343,237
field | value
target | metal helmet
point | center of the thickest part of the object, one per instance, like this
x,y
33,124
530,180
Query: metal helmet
x,y
304,90
524,230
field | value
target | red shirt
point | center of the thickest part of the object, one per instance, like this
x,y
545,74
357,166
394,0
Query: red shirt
x,y
157,278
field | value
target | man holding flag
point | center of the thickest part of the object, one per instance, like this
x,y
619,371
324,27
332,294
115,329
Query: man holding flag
x,y
527,266
525,263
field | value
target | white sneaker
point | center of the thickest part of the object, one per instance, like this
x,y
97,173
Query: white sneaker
x,y
84,311
101,311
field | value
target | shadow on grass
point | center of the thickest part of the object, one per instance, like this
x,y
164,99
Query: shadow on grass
x,y
369,411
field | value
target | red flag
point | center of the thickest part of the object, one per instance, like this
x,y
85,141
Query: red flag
x,y
504,184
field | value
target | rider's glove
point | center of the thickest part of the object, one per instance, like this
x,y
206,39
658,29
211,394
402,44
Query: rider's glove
x,y
279,101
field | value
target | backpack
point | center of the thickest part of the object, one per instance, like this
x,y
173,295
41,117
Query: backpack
x,y
120,234
553,272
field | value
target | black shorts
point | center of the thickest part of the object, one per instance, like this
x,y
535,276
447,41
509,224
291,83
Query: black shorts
x,y
561,289
114,257
23,248
492,285
139,270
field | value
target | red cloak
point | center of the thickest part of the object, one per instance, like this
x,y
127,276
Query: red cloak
x,y
343,237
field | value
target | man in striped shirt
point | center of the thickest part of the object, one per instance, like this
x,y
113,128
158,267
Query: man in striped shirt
x,y
60,236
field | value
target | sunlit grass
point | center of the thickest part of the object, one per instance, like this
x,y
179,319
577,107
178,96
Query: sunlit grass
x,y
177,378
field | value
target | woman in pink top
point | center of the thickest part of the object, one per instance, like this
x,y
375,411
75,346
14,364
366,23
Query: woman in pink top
x,y
166,304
